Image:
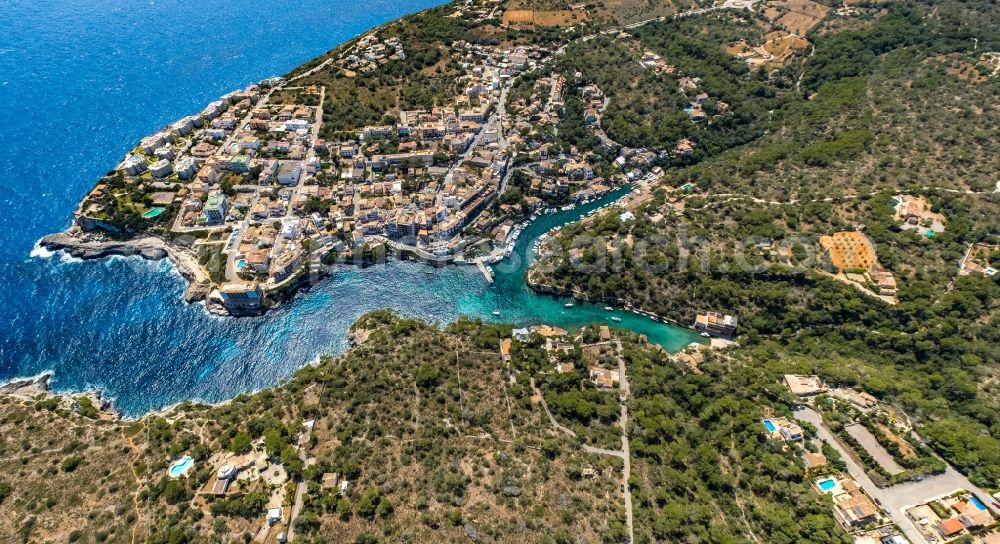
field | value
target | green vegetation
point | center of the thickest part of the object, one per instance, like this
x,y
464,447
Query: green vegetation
x,y
875,109
704,471
211,257
647,108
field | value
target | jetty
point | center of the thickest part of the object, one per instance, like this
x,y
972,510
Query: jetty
x,y
486,271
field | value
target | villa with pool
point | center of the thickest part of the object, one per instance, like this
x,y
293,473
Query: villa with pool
x,y
852,507
779,428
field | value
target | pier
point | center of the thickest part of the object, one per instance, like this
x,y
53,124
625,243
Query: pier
x,y
486,271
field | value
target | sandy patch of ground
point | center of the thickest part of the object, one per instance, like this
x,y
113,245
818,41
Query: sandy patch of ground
x,y
779,44
796,16
529,17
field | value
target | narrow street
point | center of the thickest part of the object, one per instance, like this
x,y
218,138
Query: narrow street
x,y
626,394
624,454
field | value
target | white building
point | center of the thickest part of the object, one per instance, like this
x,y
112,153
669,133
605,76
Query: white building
x,y
161,168
134,165
164,152
184,126
186,168
293,125
289,173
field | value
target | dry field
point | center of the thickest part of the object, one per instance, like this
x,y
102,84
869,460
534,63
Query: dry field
x,y
779,44
797,16
529,17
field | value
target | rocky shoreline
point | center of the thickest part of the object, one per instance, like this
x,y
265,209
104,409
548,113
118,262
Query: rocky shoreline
x,y
90,245
37,387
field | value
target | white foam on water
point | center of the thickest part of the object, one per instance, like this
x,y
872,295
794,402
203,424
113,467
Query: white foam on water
x,y
41,252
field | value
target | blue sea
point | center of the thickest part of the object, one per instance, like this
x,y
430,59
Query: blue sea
x,y
80,84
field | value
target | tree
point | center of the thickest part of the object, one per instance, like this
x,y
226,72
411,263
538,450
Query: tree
x,y
5,490
368,503
240,443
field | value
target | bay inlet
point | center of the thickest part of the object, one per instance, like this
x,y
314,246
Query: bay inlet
x,y
120,325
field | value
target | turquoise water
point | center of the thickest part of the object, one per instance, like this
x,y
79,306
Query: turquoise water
x,y
521,305
827,485
153,213
769,425
80,85
977,503
180,467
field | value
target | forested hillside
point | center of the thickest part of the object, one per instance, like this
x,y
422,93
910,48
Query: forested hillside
x,y
893,102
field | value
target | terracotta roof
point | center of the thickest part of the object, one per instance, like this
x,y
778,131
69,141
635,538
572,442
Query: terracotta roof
x,y
950,526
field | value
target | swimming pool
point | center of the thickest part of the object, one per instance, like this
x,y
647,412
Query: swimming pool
x,y
770,426
977,503
153,213
241,264
180,467
827,485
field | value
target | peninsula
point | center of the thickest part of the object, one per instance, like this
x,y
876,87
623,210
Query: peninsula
x,y
394,142
812,184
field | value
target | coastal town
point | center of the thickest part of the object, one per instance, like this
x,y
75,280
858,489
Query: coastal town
x,y
251,196
249,188
701,271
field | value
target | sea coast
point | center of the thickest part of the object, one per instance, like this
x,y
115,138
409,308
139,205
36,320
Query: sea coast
x,y
88,245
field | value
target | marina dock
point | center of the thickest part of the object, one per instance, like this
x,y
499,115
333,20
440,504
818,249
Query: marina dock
x,y
486,271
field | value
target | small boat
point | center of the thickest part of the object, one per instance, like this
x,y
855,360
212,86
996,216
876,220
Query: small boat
x,y
428,272
496,312
706,335
609,308
568,305
616,319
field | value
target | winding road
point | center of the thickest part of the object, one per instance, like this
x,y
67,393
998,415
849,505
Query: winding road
x,y
624,454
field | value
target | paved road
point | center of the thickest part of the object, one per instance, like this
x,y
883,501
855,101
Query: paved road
x,y
891,507
898,498
300,491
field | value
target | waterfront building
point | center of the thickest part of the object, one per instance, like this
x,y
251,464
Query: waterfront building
x,y
240,296
134,165
161,168
715,324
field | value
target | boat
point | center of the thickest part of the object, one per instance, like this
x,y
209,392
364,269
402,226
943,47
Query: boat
x,y
706,335
428,272
616,319
568,305
609,308
496,312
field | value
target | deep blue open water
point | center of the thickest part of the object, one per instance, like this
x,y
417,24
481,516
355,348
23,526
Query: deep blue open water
x,y
80,83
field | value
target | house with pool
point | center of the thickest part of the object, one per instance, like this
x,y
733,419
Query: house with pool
x,y
852,507
779,428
